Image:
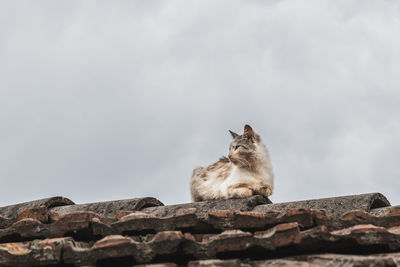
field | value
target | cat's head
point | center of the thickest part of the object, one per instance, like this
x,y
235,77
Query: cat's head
x,y
244,149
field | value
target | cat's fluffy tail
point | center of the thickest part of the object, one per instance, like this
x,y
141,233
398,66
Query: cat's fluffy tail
x,y
197,171
194,183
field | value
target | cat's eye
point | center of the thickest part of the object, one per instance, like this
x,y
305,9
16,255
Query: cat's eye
x,y
238,146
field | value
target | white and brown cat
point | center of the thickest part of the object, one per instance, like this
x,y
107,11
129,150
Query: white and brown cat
x,y
246,171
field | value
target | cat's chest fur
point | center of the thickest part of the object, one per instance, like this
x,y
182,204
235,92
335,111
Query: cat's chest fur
x,y
236,176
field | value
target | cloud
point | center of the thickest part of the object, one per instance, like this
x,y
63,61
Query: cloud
x,y
116,100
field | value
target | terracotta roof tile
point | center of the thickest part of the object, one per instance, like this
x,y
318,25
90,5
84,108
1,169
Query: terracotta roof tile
x,y
117,246
235,232
110,209
202,208
13,210
37,209
336,206
392,259
38,252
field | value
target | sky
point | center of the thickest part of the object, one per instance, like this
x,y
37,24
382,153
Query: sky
x,y
105,100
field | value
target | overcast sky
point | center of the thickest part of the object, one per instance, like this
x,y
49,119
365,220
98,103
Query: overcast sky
x,y
119,99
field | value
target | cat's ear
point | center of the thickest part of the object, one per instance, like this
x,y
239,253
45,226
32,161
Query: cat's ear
x,y
248,132
233,134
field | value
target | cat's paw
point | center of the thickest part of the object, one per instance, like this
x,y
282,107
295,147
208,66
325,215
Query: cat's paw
x,y
264,191
239,192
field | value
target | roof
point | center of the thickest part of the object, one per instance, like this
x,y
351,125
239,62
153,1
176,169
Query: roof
x,y
349,230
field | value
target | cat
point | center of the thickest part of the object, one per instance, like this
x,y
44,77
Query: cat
x,y
245,172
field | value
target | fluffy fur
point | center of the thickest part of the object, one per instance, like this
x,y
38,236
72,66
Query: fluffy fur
x,y
246,171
